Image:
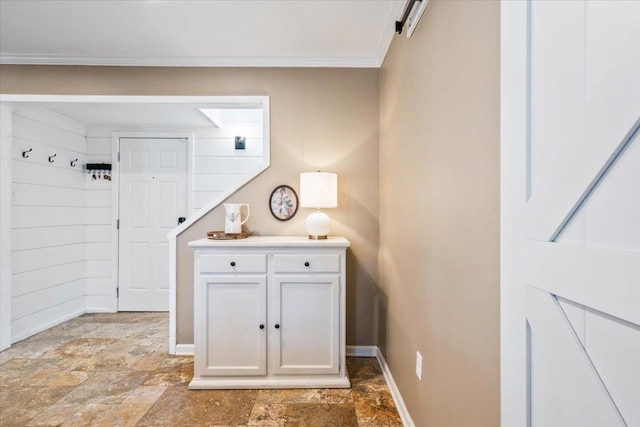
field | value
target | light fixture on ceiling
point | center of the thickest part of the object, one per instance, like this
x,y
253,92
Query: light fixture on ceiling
x,y
318,190
411,16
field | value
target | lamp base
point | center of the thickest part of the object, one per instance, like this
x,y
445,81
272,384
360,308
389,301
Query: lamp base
x,y
317,237
318,225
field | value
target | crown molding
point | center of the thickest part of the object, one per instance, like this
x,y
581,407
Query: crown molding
x,y
310,62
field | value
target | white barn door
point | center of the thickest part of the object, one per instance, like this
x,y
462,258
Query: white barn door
x,y
582,263
153,195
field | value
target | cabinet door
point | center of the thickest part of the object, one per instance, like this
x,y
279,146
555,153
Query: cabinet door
x,y
304,325
235,326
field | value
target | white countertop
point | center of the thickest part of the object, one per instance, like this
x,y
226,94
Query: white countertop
x,y
273,242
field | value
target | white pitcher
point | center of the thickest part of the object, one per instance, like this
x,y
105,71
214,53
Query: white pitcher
x,y
233,221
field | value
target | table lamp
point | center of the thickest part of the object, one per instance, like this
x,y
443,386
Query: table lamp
x,y
318,190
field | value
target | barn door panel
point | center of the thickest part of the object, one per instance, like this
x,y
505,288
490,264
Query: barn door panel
x,y
576,134
583,214
563,377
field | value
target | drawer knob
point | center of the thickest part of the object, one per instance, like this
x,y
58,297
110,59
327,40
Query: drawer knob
x,y
233,263
306,264
261,326
277,326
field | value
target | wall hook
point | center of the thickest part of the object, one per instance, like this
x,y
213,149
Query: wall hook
x,y
24,153
51,158
73,163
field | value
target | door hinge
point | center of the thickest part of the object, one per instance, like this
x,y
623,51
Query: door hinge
x,y
117,292
118,156
117,224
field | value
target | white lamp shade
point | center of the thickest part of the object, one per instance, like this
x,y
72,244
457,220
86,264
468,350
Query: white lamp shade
x,y
318,190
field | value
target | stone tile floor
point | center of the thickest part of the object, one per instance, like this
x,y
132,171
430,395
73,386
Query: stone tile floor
x,y
113,369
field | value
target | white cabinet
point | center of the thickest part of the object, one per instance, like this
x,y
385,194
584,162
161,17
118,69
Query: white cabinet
x,y
269,313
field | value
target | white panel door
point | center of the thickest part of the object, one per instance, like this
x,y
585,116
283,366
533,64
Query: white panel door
x,y
304,325
153,195
583,215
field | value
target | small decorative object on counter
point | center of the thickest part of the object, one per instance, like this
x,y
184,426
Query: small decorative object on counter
x,y
221,235
233,217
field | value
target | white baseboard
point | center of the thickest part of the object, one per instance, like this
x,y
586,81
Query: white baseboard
x,y
184,350
92,310
362,350
395,393
19,336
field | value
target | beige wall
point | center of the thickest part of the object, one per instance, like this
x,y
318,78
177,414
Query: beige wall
x,y
439,214
320,118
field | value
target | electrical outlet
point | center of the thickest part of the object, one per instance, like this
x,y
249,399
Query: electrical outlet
x,y
419,365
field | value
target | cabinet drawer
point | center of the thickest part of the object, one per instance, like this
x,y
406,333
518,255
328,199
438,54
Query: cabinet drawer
x,y
329,263
212,264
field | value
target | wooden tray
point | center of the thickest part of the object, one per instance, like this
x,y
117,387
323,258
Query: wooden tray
x,y
221,235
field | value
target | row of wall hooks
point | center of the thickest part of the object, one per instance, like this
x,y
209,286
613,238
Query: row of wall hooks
x,y
25,154
99,170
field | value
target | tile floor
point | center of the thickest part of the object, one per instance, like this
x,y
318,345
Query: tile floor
x,y
114,370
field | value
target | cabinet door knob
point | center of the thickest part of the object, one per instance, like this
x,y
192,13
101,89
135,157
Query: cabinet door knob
x,y
233,263
261,326
306,264
277,326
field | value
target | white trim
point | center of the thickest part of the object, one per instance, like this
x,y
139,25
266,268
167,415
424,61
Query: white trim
x,y
513,183
192,219
395,13
414,17
395,392
115,233
6,178
219,61
45,326
362,351
107,99
184,350
352,350
227,383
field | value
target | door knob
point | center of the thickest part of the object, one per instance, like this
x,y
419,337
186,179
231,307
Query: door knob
x,y
261,326
277,326
181,220
306,264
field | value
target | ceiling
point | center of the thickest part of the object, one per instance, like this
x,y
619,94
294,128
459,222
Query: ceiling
x,y
281,33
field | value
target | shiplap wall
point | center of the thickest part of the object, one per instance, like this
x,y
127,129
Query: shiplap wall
x,y
217,165
62,218
48,216
5,225
99,220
